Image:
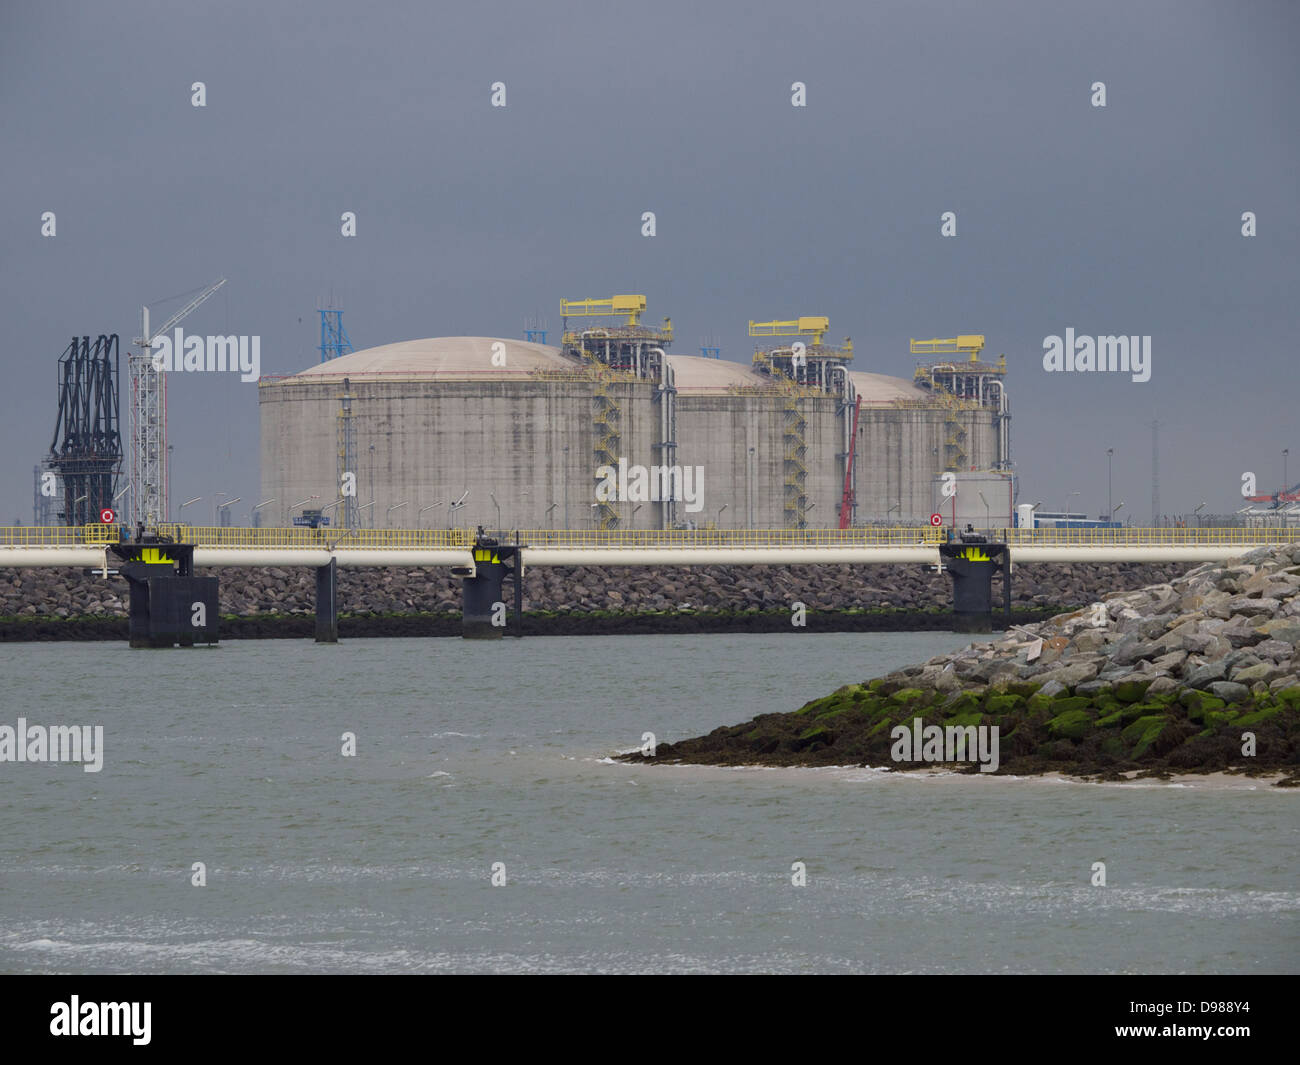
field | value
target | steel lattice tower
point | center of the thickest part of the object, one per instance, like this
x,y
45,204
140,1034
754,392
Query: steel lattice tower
x,y
334,340
148,444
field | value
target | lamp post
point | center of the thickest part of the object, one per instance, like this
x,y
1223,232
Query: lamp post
x,y
259,506
1110,455
549,523
1286,484
988,520
896,506
225,506
423,509
1065,507
1197,513
456,505
119,496
395,506
186,504
720,510
498,506
330,506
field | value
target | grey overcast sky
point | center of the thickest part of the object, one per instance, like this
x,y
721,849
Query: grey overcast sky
x,y
1124,219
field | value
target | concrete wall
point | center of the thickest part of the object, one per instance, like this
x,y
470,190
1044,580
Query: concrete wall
x,y
901,450
717,432
434,440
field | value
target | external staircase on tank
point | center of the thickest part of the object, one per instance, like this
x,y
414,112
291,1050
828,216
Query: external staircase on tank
x,y
956,377
796,370
607,417
794,445
612,352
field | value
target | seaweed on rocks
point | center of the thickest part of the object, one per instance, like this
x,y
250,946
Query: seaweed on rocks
x,y
1195,675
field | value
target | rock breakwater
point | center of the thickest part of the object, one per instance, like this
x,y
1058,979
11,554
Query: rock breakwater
x,y
1197,674
56,593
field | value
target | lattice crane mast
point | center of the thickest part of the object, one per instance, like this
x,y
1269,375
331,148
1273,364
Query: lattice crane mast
x,y
149,418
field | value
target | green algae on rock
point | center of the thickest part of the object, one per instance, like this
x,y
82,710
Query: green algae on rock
x,y
1198,675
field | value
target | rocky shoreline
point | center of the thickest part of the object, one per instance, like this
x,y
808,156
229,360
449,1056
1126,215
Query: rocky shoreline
x,y
1199,674
57,593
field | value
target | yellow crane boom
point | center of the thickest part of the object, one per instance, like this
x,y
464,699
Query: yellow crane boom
x,y
815,327
632,306
968,344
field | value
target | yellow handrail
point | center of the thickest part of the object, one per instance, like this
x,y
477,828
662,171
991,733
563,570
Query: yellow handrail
x,y
415,539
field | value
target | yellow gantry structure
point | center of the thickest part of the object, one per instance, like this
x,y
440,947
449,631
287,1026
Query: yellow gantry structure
x,y
614,306
628,308
814,327
796,374
956,378
613,352
968,343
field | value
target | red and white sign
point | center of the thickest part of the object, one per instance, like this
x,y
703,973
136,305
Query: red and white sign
x,y
936,519
107,516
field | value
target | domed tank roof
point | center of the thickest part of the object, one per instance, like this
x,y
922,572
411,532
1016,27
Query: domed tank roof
x,y
694,373
443,357
878,389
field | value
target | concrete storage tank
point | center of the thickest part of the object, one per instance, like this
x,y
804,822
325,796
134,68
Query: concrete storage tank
x,y
525,436
438,418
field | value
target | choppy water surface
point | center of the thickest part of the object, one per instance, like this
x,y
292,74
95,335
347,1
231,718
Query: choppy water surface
x,y
471,754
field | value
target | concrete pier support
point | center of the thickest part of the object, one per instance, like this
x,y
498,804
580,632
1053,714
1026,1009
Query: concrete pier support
x,y
971,565
483,616
168,604
484,609
327,603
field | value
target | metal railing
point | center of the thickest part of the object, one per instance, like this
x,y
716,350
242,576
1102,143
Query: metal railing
x,y
1136,537
873,536
898,537
57,535
301,536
